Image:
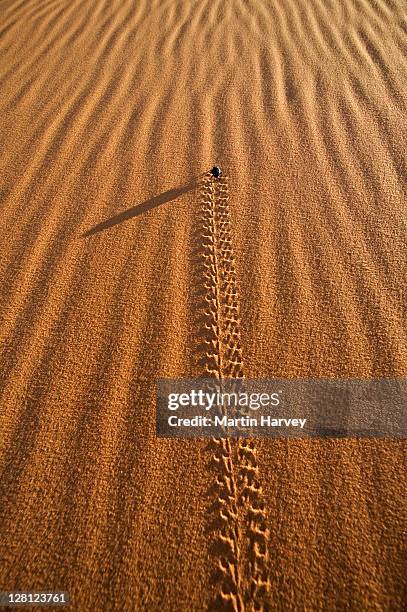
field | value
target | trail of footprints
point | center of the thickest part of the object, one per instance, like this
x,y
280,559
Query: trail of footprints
x,y
242,535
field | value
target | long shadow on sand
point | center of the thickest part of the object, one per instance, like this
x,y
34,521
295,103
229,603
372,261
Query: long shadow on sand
x,y
135,211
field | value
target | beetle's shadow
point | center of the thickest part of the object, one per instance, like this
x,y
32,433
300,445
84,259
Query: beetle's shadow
x,y
139,209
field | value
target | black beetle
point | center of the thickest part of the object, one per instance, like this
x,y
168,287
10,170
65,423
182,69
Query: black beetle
x,y
216,171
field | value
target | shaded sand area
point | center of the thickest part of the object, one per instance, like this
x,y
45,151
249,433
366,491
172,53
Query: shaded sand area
x,y
111,111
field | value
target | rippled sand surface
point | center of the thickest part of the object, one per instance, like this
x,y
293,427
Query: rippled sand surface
x,y
111,114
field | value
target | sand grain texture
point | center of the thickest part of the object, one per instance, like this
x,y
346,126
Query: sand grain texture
x,y
111,113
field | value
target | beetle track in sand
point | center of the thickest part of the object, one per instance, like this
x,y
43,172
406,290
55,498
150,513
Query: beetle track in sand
x,y
243,534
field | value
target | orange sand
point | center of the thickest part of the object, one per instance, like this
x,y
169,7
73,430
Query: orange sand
x,y
111,111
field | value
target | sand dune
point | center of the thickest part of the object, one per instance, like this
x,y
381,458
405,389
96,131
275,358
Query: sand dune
x,y
121,262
